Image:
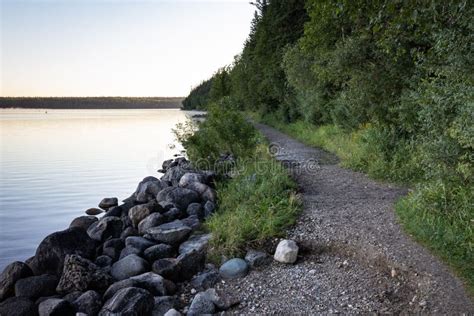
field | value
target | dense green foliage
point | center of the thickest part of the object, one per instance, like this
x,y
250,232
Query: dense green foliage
x,y
389,86
258,200
198,97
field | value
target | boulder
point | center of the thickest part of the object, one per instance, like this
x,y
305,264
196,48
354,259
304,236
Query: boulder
x,y
13,272
81,274
36,286
166,206
172,312
181,197
201,305
138,243
196,242
129,251
105,228
107,203
159,251
195,209
190,263
114,211
221,300
205,280
138,213
18,306
234,268
169,233
152,282
173,214
192,222
83,222
129,266
152,220
286,252
205,192
113,247
129,301
71,297
93,211
209,208
104,261
257,258
88,303
163,304
174,174
191,177
50,254
168,268
56,307
129,231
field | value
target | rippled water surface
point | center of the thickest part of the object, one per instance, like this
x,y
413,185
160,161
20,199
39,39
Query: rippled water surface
x,y
57,163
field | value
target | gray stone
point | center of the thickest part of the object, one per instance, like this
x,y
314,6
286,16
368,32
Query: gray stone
x,y
163,304
129,231
159,251
172,312
169,233
190,263
174,174
191,177
195,209
152,220
286,252
127,302
139,213
209,208
192,222
221,300
103,261
181,197
18,306
107,203
234,268
139,243
50,254
105,228
36,286
257,258
169,268
196,242
113,247
166,205
114,211
71,297
129,251
81,274
83,222
173,214
88,303
93,211
201,304
13,272
129,266
205,192
55,307
205,280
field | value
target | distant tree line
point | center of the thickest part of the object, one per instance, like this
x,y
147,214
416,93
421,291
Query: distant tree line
x,y
90,102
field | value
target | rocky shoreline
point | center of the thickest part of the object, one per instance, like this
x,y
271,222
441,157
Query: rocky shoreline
x,y
142,257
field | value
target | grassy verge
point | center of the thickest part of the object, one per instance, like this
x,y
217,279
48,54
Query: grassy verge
x,y
439,212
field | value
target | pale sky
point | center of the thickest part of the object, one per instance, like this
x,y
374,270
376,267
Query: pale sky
x,y
117,48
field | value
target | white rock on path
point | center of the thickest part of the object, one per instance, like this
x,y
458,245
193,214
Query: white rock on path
x,y
286,252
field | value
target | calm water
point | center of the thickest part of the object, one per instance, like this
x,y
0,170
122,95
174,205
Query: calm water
x,y
55,165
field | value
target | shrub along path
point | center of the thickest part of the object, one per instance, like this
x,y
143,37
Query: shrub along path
x,y
354,256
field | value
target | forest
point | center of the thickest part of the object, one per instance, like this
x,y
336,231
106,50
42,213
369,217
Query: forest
x,y
386,85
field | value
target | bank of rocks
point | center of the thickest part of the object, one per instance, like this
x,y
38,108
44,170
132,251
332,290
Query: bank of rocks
x,y
144,256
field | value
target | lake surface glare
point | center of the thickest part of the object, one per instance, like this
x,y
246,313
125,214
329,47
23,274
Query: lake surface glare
x,y
55,164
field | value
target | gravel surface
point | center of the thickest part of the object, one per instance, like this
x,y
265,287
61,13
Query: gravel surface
x,y
354,256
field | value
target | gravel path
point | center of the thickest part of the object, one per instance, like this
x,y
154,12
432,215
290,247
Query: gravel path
x,y
354,256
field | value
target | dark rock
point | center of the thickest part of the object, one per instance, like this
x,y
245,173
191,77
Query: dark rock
x,y
190,263
191,177
257,258
221,300
172,312
205,280
139,213
195,209
174,174
93,211
50,254
152,220
173,214
129,231
166,164
83,222
129,251
196,242
113,247
18,306
104,261
129,266
105,228
56,307
209,208
169,233
205,192
71,297
13,272
88,303
181,197
234,268
159,251
36,286
115,211
81,274
138,243
163,304
129,301
166,205
168,268
192,221
201,304
152,282
107,203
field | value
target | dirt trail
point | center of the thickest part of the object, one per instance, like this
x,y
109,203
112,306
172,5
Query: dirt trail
x,y
355,258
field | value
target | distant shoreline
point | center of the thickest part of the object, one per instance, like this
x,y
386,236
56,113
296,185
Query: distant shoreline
x,y
91,102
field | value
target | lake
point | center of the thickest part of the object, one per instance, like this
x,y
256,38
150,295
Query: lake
x,y
55,164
